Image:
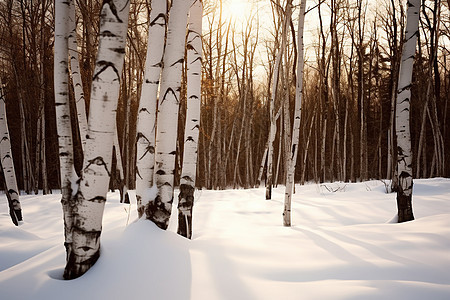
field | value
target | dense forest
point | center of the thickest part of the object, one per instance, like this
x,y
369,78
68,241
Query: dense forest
x,y
352,57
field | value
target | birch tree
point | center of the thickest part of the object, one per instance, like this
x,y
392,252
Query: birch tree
x,y
194,76
404,154
292,159
146,125
63,120
76,75
276,71
7,165
93,186
159,209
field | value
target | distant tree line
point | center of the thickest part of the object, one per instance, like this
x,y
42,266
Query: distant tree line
x,y
347,118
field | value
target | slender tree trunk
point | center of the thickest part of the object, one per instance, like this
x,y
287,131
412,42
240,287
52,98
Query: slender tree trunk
x,y
292,159
263,162
404,154
194,76
91,195
63,120
7,165
76,76
276,72
305,155
159,210
146,124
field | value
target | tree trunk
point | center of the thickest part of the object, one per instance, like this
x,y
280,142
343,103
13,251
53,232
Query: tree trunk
x,y
273,127
159,210
91,195
146,124
404,154
76,76
194,76
63,120
292,159
7,165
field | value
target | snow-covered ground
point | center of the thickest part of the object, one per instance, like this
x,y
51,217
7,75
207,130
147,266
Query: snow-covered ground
x,y
343,245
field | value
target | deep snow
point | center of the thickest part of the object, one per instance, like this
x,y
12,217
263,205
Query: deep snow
x,y
343,245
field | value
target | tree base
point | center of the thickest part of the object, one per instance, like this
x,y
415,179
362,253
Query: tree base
x,y
185,205
157,212
269,192
83,254
404,206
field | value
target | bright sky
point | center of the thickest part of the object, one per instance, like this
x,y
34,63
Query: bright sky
x,y
237,10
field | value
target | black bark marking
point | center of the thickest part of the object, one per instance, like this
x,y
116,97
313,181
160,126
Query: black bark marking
x,y
149,148
161,172
99,162
173,153
196,35
180,61
159,16
11,191
152,82
187,178
98,199
138,174
143,110
293,150
119,50
170,90
107,33
158,65
408,87
166,184
105,65
198,58
113,9
190,139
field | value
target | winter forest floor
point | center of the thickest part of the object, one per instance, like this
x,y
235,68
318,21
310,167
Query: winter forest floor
x,y
344,244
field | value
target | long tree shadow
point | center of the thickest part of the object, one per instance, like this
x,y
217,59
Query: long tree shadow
x,y
223,272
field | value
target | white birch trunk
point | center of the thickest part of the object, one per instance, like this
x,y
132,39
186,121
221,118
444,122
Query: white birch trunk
x,y
76,76
292,159
63,120
273,128
404,154
7,165
194,76
91,196
166,136
146,124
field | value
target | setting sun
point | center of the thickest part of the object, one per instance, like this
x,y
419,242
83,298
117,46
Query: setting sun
x,y
237,10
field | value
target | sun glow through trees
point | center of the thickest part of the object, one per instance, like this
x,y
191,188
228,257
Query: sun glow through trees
x,y
237,11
